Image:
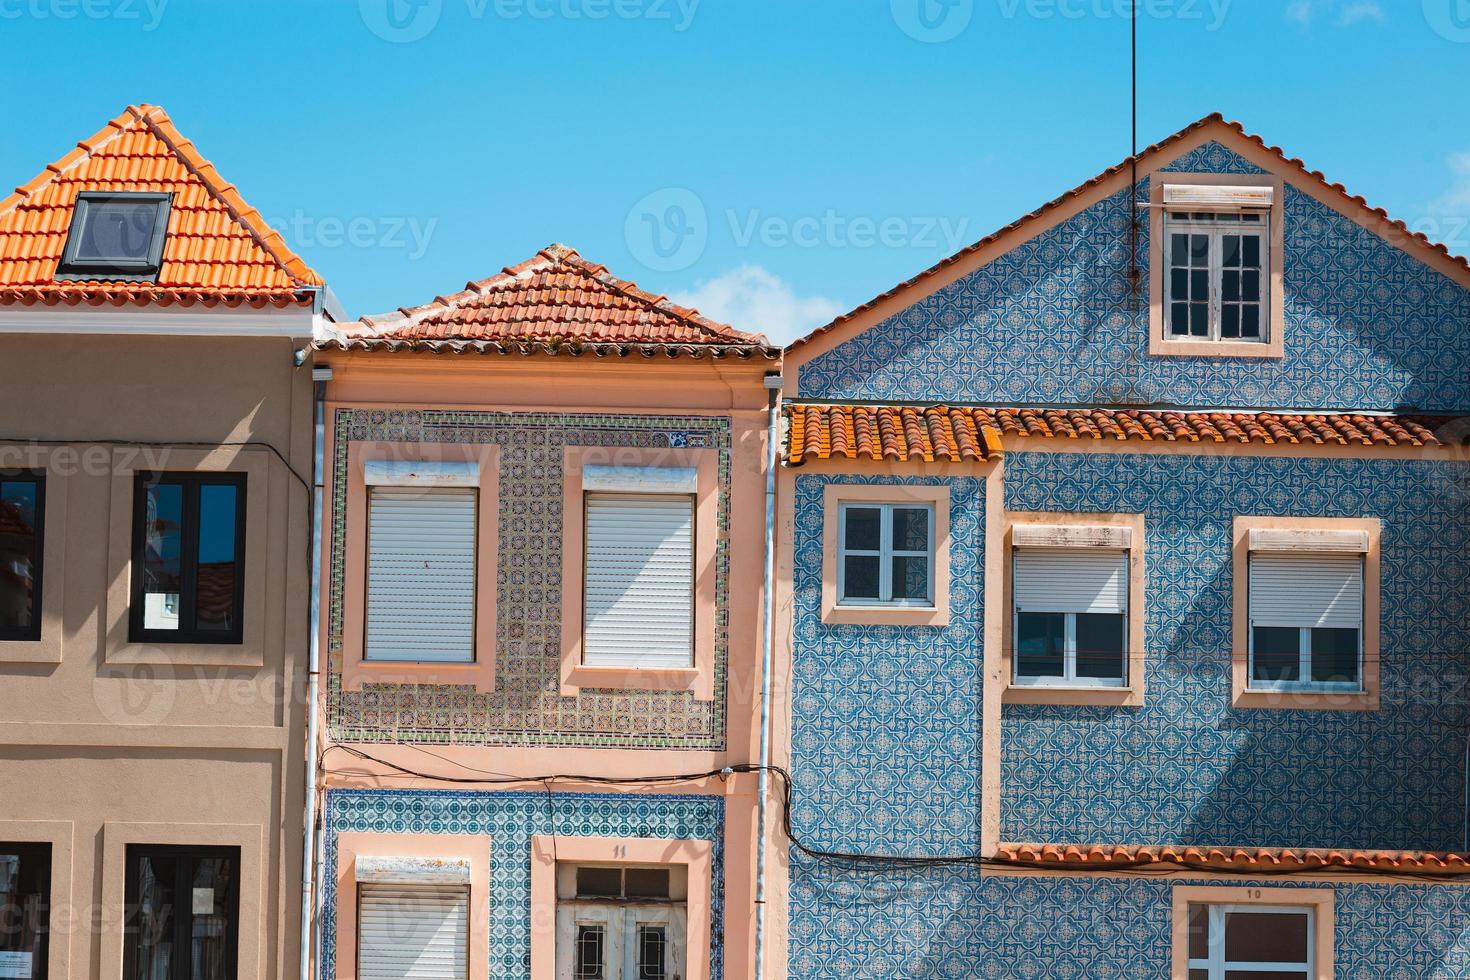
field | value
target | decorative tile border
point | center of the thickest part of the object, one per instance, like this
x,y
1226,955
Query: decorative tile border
x,y
511,820
527,708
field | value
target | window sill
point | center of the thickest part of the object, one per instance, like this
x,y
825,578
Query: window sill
x,y
1217,348
842,615
185,655
1307,700
46,650
636,679
1077,695
479,676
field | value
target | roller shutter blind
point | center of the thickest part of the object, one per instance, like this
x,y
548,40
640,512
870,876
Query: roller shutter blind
x,y
412,933
421,575
1306,590
1063,580
639,596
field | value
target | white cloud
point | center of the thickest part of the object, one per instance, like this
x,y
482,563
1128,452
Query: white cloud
x,y
1447,217
1363,10
752,298
1349,12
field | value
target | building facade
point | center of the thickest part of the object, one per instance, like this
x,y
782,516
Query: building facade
x,y
155,463
542,607
1123,563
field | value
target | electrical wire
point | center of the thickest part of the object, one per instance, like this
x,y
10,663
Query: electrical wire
x,y
854,861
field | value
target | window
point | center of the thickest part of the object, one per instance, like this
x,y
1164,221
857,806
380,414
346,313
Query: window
x,y
188,558
25,910
638,598
182,912
116,236
1071,616
22,518
412,932
1251,942
1306,621
1217,277
422,533
621,923
886,555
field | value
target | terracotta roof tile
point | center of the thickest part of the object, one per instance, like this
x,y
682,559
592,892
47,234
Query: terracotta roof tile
x,y
1235,859
1390,223
218,249
900,433
554,300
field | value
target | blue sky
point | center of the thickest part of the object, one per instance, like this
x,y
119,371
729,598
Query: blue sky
x,y
776,161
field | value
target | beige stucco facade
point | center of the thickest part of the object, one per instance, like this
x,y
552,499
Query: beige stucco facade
x,y
104,742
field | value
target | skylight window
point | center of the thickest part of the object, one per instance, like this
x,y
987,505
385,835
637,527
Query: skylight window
x,y
116,236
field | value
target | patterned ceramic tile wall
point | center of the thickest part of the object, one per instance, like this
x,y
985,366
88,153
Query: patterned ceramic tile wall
x,y
857,925
527,707
1055,322
511,820
1187,768
886,740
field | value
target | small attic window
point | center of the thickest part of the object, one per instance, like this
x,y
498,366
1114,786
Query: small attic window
x,y
115,236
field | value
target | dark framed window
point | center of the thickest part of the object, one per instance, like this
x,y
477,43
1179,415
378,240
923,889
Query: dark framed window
x,y
182,913
25,910
116,236
22,527
188,558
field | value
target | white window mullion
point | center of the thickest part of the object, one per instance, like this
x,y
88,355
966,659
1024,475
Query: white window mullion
x,y
885,554
1069,648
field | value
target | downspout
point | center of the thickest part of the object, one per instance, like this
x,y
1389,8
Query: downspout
x,y
319,377
773,389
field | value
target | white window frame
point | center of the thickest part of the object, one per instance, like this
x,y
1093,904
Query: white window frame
x,y
1198,222
885,554
1069,678
1304,651
1217,965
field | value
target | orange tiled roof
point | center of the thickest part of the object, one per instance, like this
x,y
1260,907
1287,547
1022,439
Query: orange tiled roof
x,y
218,249
555,300
1398,227
900,433
1261,859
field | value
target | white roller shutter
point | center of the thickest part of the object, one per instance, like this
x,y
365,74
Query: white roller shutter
x,y
421,575
1306,590
639,594
1064,580
407,933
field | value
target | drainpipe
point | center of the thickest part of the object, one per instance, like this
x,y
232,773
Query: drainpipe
x,y
319,377
773,390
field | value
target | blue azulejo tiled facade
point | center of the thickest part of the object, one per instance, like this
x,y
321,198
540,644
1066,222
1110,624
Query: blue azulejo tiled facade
x,y
891,752
510,820
1187,768
1055,321
955,923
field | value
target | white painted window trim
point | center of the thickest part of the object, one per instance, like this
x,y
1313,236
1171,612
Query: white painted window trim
x,y
885,554
1176,222
1304,649
1217,965
1069,679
